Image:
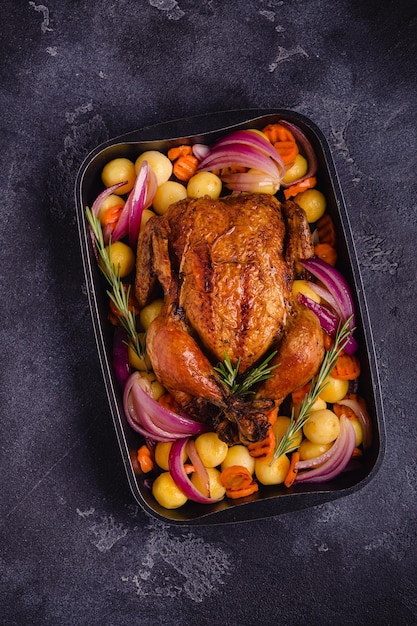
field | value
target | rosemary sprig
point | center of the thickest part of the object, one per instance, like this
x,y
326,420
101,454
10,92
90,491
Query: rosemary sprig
x,y
242,384
286,444
117,293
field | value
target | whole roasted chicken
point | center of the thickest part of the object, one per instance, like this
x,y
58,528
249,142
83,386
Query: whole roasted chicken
x,y
226,268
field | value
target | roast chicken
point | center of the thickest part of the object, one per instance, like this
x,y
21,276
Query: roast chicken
x,y
226,268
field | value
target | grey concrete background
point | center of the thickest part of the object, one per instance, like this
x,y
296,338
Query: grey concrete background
x,y
75,547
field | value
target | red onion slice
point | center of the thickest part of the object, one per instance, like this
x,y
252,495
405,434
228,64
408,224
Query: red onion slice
x,y
198,466
328,321
150,189
155,418
249,138
176,468
136,201
242,156
336,459
138,417
337,285
200,150
129,220
323,293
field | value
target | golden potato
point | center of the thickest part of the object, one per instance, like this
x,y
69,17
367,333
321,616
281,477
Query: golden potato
x,y
322,426
166,492
272,473
211,449
239,455
117,171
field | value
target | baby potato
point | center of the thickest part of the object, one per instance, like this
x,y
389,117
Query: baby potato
x,y
117,171
334,389
204,184
239,455
149,313
162,450
211,449
280,428
166,492
272,473
121,257
216,488
322,426
166,194
297,170
309,450
302,286
313,202
111,202
158,163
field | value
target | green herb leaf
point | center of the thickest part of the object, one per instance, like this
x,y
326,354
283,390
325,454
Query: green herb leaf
x,y
117,293
242,384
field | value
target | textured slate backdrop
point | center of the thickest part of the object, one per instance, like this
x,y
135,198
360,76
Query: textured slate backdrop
x,y
75,548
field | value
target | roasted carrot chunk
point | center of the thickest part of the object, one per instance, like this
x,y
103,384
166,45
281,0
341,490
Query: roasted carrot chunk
x,y
277,132
178,151
287,150
347,367
326,231
326,252
145,459
262,449
303,185
185,167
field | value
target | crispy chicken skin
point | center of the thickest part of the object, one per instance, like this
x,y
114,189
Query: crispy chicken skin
x,y
226,268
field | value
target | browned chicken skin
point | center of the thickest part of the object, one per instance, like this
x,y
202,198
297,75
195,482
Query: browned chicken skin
x,y
226,268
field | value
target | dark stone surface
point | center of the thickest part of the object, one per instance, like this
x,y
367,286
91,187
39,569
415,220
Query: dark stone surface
x,y
75,548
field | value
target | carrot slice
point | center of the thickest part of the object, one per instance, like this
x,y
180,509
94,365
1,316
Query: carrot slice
x,y
238,481
242,493
277,132
307,183
287,150
185,167
178,151
292,471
